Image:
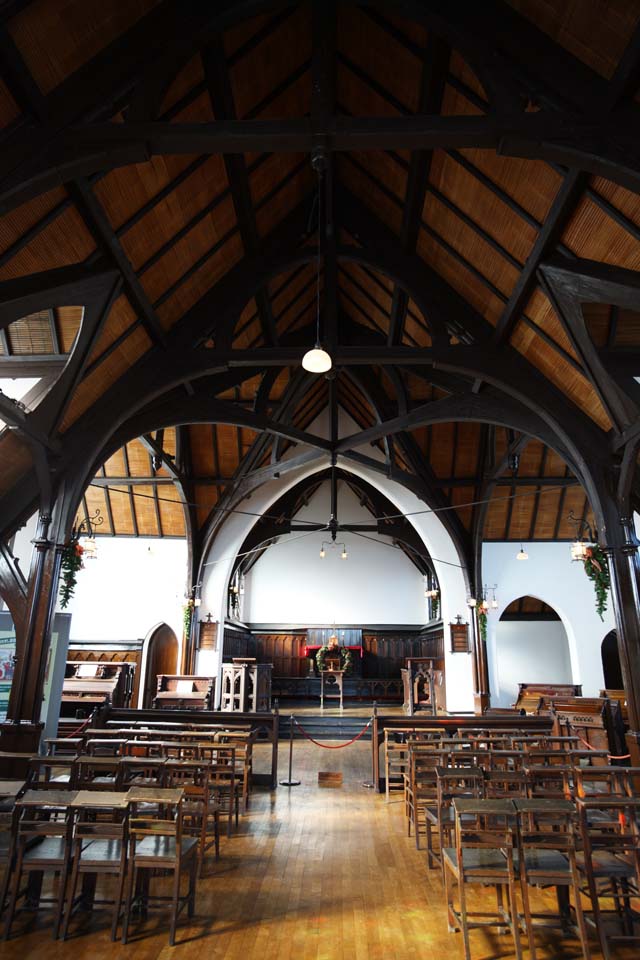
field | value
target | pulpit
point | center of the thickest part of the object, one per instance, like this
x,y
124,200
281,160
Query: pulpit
x,y
422,685
246,686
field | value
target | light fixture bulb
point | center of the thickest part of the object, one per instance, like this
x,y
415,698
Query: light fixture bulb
x,y
344,554
322,553
522,555
316,360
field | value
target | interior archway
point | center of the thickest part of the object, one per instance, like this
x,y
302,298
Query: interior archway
x,y
531,647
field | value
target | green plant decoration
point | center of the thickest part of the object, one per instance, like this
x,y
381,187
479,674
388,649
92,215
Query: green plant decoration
x,y
187,617
435,606
482,623
71,563
596,567
346,662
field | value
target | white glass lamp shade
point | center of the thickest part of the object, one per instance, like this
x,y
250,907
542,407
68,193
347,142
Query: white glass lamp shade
x,y
90,548
316,360
579,550
522,554
471,602
344,554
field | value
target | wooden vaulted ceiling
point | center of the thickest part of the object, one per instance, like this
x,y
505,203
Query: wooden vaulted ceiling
x,y
173,225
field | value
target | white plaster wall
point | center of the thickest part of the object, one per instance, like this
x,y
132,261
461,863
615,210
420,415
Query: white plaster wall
x,y
377,583
533,651
550,575
452,582
132,586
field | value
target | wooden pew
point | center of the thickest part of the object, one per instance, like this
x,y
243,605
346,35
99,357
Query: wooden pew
x,y
182,692
535,698
621,697
89,684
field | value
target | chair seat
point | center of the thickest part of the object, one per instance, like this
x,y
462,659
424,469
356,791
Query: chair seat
x,y
546,861
478,861
99,853
163,848
49,849
605,864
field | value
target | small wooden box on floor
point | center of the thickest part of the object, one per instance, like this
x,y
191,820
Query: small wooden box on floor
x,y
246,686
328,779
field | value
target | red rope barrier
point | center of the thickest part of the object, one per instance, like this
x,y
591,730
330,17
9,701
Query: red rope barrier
x,y
83,726
330,746
610,756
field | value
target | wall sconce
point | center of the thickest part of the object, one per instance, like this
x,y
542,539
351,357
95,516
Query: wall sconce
x,y
580,545
87,529
471,602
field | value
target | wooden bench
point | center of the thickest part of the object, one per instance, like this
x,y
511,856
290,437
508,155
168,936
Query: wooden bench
x,y
535,698
89,685
182,692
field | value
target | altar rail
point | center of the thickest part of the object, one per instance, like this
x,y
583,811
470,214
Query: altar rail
x,y
452,723
265,725
355,688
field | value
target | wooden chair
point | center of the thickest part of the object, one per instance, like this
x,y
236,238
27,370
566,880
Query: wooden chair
x,y
51,773
224,789
97,773
105,746
420,786
99,847
200,808
547,857
505,784
43,843
610,864
156,842
484,853
140,772
451,783
552,782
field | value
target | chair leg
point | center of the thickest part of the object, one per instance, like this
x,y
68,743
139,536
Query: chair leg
x,y
13,899
526,906
216,832
515,923
64,880
131,874
191,902
463,916
117,905
174,904
72,896
582,926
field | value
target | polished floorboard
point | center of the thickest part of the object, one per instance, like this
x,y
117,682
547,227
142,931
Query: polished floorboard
x,y
312,874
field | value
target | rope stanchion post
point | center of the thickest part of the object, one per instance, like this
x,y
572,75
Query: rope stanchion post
x,y
290,782
370,784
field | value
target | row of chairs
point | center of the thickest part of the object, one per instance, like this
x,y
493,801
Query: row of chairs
x,y
128,835
590,848
441,775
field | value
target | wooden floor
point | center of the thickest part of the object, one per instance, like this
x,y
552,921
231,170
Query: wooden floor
x,y
313,874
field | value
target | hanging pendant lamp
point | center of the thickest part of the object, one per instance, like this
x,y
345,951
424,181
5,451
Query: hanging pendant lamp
x,y
318,360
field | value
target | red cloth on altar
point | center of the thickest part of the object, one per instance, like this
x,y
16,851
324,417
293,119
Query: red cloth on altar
x,y
310,649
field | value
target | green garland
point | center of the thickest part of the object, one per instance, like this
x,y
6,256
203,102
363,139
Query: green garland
x,y
435,603
345,657
70,565
482,623
187,616
596,567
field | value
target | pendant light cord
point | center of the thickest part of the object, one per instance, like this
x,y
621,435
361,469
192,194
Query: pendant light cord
x,y
319,257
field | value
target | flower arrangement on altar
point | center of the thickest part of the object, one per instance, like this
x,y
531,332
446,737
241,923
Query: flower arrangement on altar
x,y
332,650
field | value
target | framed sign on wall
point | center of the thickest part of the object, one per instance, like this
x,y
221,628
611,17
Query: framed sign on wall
x,y
459,637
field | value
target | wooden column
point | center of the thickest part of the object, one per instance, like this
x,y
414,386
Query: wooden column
x,y
21,730
624,567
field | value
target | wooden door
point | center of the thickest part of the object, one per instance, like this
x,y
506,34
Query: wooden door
x,y
162,657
